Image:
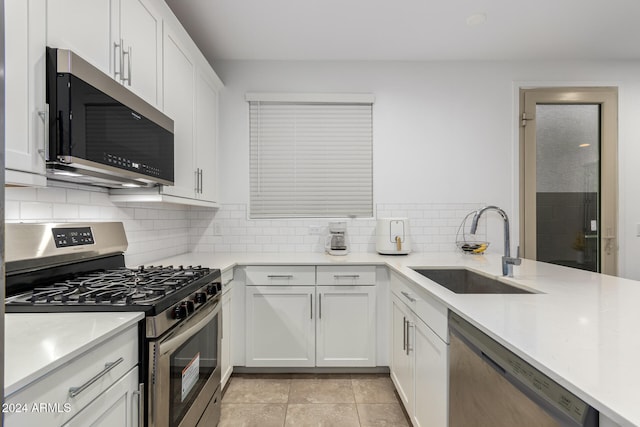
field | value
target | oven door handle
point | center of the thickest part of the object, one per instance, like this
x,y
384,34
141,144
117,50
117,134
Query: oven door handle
x,y
187,330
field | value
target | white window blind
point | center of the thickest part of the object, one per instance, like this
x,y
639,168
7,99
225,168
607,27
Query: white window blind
x,y
310,159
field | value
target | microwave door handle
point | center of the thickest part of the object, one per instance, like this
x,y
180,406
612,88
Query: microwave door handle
x,y
176,339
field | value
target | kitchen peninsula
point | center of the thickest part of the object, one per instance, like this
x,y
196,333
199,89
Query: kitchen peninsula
x,y
579,328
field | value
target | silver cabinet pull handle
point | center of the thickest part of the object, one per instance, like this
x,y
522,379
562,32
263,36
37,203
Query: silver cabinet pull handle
x,y
280,276
74,391
44,115
409,297
346,276
128,54
404,333
195,173
117,71
311,306
319,306
409,325
200,181
140,394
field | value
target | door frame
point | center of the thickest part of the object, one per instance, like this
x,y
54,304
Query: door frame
x,y
607,97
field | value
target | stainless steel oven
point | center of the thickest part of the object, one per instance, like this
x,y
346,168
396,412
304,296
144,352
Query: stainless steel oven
x,y
184,371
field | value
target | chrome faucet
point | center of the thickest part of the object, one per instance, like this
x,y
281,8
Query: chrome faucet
x,y
507,261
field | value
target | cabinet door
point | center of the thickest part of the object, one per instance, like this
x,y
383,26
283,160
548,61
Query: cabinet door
x,y
401,366
280,326
431,378
225,356
85,27
206,137
117,406
346,326
178,76
141,34
25,41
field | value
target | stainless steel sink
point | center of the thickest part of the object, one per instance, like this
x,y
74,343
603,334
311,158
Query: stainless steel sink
x,y
462,281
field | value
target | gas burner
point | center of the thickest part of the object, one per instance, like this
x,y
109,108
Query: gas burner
x,y
120,287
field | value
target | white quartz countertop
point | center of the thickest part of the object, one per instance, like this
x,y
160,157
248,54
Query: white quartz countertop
x,y
579,328
38,343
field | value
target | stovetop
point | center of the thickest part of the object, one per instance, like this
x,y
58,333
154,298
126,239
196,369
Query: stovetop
x,y
149,289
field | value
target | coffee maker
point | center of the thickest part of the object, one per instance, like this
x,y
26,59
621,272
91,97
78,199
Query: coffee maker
x,y
337,241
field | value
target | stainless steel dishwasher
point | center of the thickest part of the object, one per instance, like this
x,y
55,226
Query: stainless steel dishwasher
x,y
491,386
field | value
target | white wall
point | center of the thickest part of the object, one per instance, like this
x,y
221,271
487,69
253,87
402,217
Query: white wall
x,y
444,132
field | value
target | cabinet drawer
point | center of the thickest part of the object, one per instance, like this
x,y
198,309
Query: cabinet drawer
x,y
53,389
331,275
403,291
427,308
279,275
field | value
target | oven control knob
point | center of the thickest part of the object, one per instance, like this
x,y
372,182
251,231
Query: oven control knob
x,y
180,311
200,297
190,306
213,289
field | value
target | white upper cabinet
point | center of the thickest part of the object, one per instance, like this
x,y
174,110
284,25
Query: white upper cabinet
x,y
189,96
25,109
206,135
122,38
87,27
179,97
141,38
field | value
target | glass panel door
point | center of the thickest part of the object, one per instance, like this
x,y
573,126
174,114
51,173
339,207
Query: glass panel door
x,y
568,176
568,184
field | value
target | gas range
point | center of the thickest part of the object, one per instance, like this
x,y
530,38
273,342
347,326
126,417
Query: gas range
x,y
81,268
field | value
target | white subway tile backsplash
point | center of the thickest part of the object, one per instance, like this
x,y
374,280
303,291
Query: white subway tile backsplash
x,y
154,231
433,229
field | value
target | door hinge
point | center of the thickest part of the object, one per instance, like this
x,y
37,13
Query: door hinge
x,y
526,118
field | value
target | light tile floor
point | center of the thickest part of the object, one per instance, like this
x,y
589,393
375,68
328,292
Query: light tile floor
x,y
303,400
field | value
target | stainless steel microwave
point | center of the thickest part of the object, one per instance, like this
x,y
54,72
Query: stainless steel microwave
x,y
101,133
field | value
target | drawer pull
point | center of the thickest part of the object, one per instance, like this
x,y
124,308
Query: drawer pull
x,y
75,391
346,276
280,276
409,297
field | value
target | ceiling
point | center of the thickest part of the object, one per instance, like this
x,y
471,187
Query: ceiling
x,y
412,30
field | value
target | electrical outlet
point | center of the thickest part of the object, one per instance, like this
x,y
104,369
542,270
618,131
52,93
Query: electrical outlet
x,y
217,229
315,229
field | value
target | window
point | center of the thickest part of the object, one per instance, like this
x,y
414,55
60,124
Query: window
x,y
311,155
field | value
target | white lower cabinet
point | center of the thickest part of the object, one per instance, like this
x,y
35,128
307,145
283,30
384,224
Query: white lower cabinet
x,y
419,356
345,326
98,388
431,377
280,326
292,321
401,360
117,406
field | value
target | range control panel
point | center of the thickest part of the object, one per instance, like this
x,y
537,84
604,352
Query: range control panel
x,y
66,237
